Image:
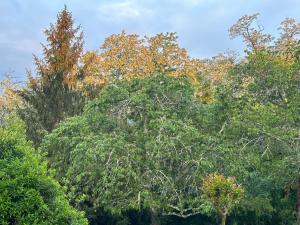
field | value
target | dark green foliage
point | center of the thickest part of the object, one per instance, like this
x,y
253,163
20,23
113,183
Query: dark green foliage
x,y
46,105
262,123
51,96
28,194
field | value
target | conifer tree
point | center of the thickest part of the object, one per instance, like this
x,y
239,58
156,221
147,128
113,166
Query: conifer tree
x,y
51,95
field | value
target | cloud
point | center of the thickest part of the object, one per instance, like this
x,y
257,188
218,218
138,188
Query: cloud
x,y
121,10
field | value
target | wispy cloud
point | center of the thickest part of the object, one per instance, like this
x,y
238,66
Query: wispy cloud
x,y
120,10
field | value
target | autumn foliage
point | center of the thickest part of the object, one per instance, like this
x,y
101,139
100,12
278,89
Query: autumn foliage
x,y
128,56
139,126
61,53
9,98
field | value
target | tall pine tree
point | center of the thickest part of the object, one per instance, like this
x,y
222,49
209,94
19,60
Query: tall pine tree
x,y
51,95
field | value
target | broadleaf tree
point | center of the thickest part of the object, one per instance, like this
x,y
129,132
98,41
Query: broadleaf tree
x,y
142,143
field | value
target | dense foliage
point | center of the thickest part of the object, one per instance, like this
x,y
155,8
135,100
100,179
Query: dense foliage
x,y
141,133
142,143
28,194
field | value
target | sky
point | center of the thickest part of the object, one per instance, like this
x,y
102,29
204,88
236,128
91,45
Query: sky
x,y
202,25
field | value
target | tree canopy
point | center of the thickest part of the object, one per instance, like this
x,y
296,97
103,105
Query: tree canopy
x,y
142,143
140,132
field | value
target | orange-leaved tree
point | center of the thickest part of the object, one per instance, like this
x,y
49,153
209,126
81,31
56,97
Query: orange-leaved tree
x,y
128,56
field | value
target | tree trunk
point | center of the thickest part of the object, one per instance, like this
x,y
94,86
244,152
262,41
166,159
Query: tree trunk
x,y
298,200
223,221
223,216
154,217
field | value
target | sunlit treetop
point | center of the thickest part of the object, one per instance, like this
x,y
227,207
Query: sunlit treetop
x,y
251,31
62,51
127,56
285,44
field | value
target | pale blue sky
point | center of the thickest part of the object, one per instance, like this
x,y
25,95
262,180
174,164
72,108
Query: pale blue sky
x,y
202,25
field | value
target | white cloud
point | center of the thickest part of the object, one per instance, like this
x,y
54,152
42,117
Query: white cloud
x,y
118,10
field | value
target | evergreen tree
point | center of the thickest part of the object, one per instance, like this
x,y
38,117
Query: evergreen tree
x,y
51,95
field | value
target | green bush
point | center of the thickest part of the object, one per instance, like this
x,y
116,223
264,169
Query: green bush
x,y
28,194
